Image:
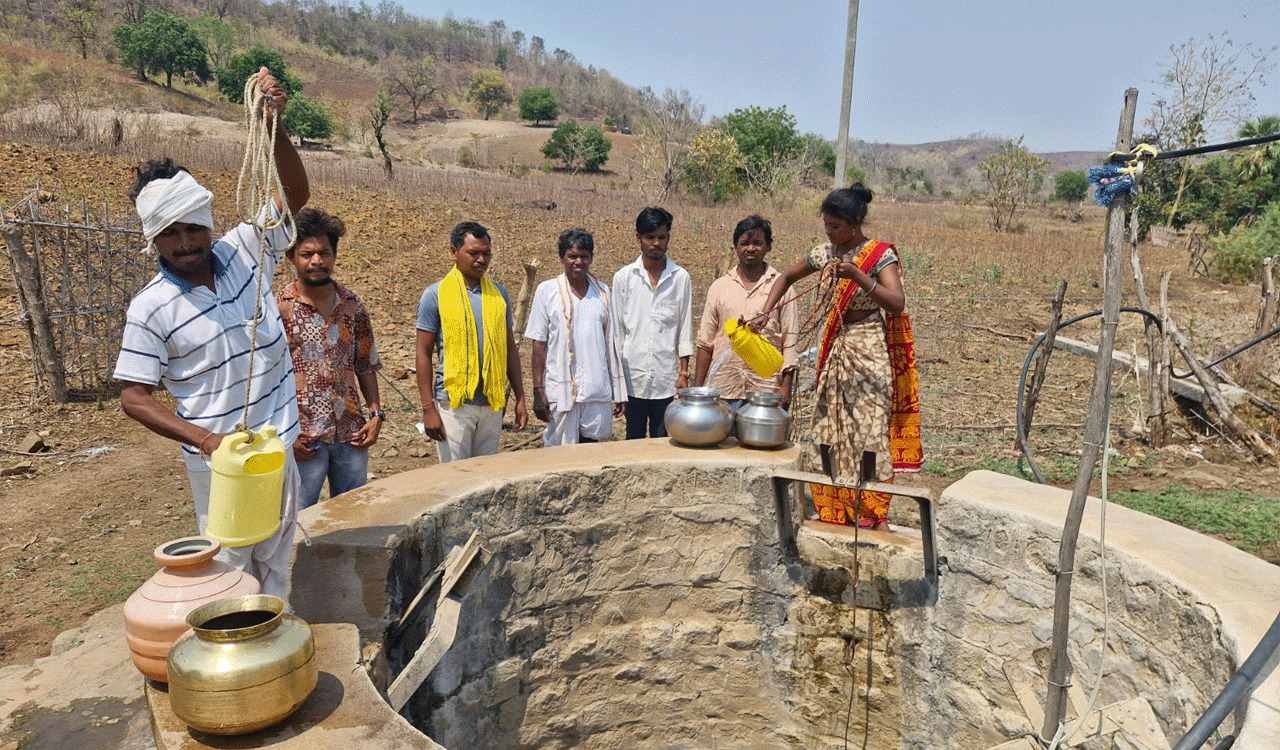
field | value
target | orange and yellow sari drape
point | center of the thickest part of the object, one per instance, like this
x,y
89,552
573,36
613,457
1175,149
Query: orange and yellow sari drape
x,y
867,398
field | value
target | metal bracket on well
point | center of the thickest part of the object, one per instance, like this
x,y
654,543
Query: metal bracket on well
x,y
786,483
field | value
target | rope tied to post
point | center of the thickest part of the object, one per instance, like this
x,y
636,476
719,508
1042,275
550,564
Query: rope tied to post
x,y
1113,179
258,184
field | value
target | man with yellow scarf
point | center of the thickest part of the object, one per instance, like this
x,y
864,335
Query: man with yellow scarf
x,y
464,325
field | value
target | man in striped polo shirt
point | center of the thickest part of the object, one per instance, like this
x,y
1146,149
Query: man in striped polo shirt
x,y
190,329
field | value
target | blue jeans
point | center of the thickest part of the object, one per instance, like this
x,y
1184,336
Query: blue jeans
x,y
345,466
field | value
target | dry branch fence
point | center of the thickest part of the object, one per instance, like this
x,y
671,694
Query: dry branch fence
x,y
75,270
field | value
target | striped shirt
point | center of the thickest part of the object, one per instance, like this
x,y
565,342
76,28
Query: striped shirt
x,y
195,342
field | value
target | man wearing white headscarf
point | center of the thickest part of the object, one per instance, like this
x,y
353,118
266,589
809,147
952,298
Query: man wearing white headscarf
x,y
190,329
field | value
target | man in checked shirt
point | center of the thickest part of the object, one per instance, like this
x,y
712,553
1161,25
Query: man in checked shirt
x,y
335,362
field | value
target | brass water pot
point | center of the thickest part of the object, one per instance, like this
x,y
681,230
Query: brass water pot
x,y
244,666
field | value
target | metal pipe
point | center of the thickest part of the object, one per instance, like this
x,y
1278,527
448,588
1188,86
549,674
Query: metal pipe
x,y
1233,693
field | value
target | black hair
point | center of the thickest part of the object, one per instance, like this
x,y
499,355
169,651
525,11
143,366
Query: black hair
x,y
651,218
579,238
751,223
314,222
459,234
848,203
154,169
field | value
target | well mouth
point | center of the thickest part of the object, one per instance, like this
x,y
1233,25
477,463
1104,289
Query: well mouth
x,y
655,603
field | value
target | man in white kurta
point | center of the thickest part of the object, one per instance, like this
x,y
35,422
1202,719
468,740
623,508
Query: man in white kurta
x,y
577,370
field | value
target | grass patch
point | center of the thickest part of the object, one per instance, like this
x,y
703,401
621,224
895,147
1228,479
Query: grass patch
x,y
1243,519
1060,470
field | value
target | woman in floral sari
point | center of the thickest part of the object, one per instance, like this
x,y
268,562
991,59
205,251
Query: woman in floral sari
x,y
866,397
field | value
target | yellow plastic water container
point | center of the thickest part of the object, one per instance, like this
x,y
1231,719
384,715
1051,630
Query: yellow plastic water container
x,y
754,349
244,491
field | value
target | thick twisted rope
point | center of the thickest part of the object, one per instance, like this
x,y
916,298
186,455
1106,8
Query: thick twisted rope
x,y
259,183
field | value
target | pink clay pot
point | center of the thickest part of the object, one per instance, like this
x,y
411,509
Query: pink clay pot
x,y
156,614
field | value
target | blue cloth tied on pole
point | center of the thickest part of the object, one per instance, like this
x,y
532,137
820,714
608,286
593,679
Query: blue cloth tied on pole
x,y
1111,181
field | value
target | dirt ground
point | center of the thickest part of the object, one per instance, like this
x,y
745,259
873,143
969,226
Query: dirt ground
x,y
81,520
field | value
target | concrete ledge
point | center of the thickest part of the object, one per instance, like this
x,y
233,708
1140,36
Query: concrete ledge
x,y
344,712
342,574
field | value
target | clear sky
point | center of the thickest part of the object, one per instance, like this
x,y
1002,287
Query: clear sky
x,y
926,70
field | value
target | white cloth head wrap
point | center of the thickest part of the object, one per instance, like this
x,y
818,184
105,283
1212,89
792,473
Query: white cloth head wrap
x,y
178,198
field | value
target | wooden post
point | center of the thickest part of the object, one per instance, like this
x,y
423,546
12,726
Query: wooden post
x,y
27,276
1166,350
1156,398
1267,313
1256,442
1042,367
525,298
1094,436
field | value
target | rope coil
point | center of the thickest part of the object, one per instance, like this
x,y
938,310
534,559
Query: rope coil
x,y
258,184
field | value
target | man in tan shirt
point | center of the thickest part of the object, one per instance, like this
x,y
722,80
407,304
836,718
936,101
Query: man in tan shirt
x,y
741,293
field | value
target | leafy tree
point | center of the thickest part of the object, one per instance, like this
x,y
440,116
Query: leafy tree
x,y
1011,176
1209,92
161,43
412,79
819,153
231,79
81,18
713,165
306,118
669,123
538,104
578,148
1218,193
767,140
220,39
490,91
1070,186
500,59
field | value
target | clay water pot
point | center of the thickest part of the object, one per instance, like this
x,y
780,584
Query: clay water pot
x,y
698,418
244,666
762,422
156,614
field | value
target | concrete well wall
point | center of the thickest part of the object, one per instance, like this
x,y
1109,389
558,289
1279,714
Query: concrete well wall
x,y
639,595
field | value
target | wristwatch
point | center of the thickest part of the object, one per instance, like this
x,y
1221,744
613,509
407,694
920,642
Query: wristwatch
x,y
378,413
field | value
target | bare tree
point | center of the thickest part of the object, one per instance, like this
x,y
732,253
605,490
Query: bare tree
x,y
413,80
1208,94
379,116
133,11
664,132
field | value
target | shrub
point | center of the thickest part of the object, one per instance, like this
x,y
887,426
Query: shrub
x,y
577,147
1238,254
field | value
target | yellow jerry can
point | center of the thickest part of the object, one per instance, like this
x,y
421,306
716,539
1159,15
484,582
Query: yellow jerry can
x,y
754,349
245,489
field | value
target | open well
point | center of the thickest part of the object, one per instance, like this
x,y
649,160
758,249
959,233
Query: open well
x,y
644,595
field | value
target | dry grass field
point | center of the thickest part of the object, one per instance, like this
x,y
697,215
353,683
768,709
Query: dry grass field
x,y
79,527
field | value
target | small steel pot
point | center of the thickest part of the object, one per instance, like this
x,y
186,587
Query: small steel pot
x,y
698,418
762,422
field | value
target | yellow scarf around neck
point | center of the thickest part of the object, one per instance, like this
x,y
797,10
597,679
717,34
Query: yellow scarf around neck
x,y
462,368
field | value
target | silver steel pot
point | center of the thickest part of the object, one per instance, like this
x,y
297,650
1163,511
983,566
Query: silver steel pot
x,y
698,418
762,422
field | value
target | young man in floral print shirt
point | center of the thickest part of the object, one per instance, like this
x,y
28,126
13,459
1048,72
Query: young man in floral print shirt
x,y
335,363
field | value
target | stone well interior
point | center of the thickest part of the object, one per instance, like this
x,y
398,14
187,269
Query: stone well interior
x,y
643,595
